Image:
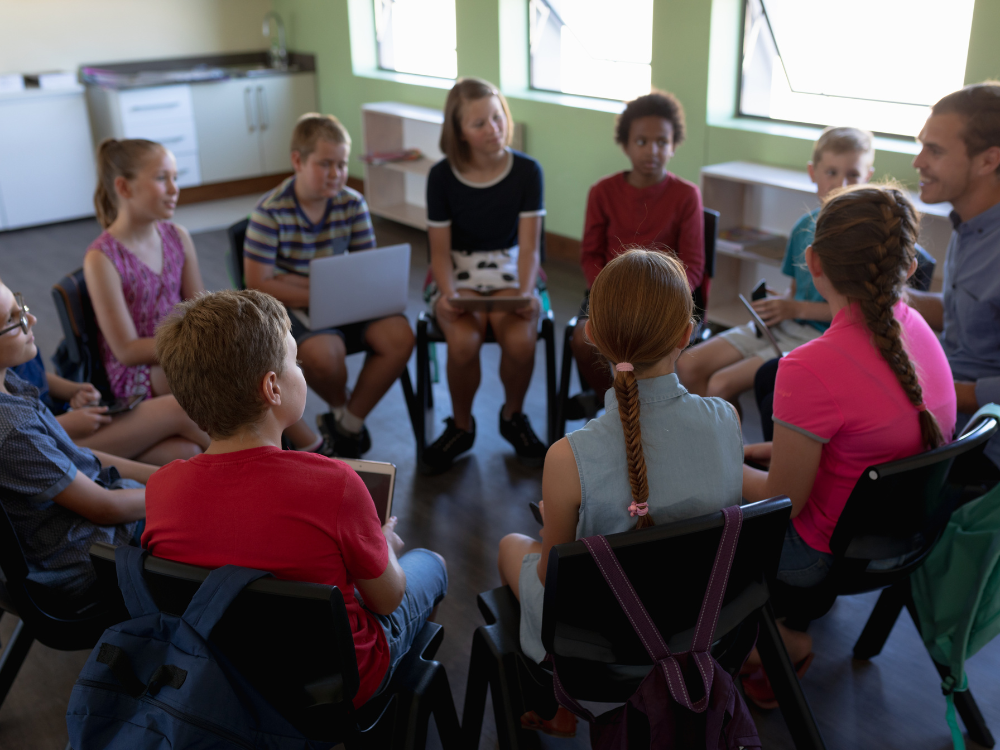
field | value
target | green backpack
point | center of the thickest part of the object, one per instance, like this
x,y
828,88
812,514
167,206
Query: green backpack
x,y
957,590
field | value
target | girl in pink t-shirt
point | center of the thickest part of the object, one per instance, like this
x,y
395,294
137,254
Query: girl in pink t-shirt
x,y
875,387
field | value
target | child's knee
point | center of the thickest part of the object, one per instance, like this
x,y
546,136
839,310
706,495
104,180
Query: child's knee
x,y
322,358
393,336
463,348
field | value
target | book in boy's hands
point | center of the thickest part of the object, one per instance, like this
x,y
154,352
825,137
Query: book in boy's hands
x,y
754,241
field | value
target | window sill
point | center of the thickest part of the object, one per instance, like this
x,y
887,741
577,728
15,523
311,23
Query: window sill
x,y
566,100
410,79
899,145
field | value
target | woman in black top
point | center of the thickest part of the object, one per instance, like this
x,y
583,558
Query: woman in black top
x,y
484,212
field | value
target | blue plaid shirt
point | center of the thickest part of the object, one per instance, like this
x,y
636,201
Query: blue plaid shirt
x,y
38,460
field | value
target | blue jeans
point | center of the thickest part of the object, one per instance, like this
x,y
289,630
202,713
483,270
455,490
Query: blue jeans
x,y
801,565
426,585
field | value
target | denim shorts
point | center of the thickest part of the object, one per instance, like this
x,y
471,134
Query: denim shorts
x,y
426,585
801,565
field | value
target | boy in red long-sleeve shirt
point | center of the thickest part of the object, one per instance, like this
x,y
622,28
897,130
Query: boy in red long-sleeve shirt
x,y
646,206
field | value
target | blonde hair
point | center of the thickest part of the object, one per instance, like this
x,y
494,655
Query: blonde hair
x,y
215,349
865,238
640,309
453,146
313,127
840,140
117,159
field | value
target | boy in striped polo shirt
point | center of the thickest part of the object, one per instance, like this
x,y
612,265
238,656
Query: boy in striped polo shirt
x,y
314,214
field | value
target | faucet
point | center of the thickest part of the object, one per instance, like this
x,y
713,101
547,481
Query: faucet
x,y
279,55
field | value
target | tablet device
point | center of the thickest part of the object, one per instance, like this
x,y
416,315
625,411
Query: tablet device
x,y
761,327
490,304
380,479
121,405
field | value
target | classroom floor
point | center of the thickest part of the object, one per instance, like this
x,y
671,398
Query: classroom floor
x,y
891,702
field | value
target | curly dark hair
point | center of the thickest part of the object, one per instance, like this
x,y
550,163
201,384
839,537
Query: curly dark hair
x,y
654,104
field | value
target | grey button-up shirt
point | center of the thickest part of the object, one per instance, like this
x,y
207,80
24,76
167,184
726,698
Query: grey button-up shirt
x,y
971,336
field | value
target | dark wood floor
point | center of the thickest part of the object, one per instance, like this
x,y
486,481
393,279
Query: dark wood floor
x,y
892,702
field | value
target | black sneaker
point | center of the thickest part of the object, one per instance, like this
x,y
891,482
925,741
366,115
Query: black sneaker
x,y
581,406
345,444
439,455
517,431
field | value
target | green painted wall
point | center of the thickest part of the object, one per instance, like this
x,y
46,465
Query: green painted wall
x,y
695,55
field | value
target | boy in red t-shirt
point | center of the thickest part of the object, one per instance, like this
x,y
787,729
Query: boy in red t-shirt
x,y
646,206
230,360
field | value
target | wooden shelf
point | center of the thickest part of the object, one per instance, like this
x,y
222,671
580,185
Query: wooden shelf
x,y
420,166
732,250
404,213
729,315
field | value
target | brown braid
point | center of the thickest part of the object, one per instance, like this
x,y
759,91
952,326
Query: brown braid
x,y
865,239
640,308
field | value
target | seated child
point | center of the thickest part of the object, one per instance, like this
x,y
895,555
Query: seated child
x,y
314,214
657,453
485,204
647,206
824,434
230,359
60,498
725,364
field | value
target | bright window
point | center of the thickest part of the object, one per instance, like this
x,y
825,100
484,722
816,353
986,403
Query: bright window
x,y
417,36
869,63
592,47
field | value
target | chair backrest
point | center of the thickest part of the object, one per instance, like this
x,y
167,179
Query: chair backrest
x,y
79,324
292,641
899,508
669,566
922,277
234,260
711,238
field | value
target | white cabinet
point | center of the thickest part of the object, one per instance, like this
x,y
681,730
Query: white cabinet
x,y
245,125
46,158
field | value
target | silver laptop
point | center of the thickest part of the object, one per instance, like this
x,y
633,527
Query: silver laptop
x,y
759,322
363,285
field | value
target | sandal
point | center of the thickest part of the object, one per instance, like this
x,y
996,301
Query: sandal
x,y
562,725
757,685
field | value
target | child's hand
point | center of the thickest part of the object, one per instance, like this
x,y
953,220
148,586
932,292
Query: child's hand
x,y
531,310
85,421
759,453
773,310
85,395
446,311
391,537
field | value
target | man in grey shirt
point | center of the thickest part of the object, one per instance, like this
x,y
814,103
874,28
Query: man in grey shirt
x,y
959,162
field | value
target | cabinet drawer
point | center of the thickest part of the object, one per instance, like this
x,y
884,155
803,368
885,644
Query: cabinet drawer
x,y
177,135
160,103
188,170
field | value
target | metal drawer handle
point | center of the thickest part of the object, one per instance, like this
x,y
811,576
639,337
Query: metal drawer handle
x,y
248,107
151,107
265,121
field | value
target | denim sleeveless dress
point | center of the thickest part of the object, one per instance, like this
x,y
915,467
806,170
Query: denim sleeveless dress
x,y
694,465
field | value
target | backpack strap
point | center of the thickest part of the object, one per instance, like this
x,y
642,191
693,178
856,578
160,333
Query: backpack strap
x,y
711,605
129,562
214,596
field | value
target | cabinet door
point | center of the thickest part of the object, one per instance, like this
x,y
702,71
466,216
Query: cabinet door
x,y
46,159
281,101
227,122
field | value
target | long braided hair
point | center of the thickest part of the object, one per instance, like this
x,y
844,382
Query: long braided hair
x,y
865,237
640,307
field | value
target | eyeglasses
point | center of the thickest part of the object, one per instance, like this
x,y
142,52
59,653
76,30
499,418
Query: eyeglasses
x,y
22,322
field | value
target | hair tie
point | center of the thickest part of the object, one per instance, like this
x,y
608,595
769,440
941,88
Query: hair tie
x,y
922,407
639,509
624,367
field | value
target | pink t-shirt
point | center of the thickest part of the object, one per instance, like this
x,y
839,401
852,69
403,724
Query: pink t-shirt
x,y
838,389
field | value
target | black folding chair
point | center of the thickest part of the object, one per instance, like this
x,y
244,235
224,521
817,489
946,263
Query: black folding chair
x,y
79,347
702,331
597,652
292,641
892,520
45,615
234,258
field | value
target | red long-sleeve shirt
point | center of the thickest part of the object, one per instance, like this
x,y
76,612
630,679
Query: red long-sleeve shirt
x,y
666,214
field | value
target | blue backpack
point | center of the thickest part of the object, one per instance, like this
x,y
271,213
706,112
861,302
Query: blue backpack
x,y
155,682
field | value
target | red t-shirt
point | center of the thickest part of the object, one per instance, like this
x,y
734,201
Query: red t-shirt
x,y
668,213
299,516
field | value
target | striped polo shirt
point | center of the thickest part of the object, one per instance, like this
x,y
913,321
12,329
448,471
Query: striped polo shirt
x,y
281,234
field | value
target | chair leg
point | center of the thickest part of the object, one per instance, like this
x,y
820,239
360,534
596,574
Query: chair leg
x,y
551,397
480,667
564,374
13,657
890,603
412,407
792,701
424,411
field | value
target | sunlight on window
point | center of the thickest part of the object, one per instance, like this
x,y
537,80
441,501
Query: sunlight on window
x,y
417,36
591,47
814,61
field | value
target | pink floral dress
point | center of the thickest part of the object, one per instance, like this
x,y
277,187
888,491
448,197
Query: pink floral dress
x,y
149,296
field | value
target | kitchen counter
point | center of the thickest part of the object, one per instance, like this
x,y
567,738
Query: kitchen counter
x,y
146,73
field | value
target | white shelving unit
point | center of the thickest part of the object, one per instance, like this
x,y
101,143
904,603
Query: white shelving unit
x,y
772,199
